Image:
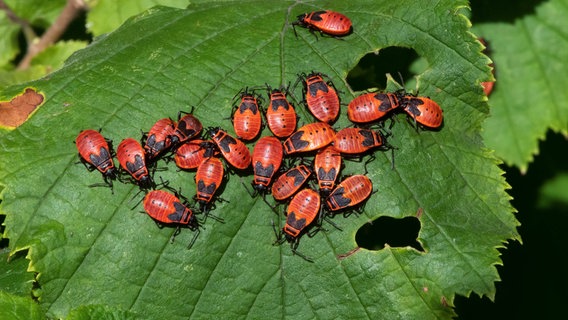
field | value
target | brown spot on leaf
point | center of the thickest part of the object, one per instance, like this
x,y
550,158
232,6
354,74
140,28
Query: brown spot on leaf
x,y
16,111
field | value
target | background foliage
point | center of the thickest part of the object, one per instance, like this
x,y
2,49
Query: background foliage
x,y
123,109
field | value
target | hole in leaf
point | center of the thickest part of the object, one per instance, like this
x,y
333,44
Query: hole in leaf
x,y
392,231
3,241
371,70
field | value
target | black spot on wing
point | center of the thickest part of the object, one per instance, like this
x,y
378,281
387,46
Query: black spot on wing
x,y
262,171
298,224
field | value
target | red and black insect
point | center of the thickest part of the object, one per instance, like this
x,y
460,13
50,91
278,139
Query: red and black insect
x,y
320,97
190,154
488,85
371,106
159,138
310,137
208,179
287,184
280,114
232,149
187,127
302,211
355,141
247,120
327,164
131,156
95,152
167,209
326,22
349,193
266,160
423,110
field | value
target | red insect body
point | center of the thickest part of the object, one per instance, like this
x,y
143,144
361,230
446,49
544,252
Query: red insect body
x,y
356,141
232,149
349,193
327,22
247,121
423,111
280,115
266,160
187,127
302,211
159,137
190,154
166,208
488,85
310,137
208,179
327,165
372,106
131,156
290,182
321,97
94,149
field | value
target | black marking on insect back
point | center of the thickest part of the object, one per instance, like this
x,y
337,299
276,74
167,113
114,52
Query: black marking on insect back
x,y
186,132
316,16
102,161
297,141
247,105
298,177
178,214
412,106
210,189
338,198
298,224
280,103
136,165
386,104
155,146
319,85
226,142
368,138
327,176
261,171
151,141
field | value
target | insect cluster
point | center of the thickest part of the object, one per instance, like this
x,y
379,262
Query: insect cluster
x,y
298,167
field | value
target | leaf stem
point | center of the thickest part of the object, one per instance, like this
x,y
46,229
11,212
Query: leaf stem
x,y
53,33
27,28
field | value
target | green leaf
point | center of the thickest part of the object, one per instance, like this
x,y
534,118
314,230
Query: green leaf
x,y
529,98
9,78
553,192
166,60
54,56
14,307
107,15
99,313
47,61
14,278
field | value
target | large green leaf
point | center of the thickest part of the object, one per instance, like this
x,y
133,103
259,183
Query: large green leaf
x,y
15,308
13,276
90,247
530,57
